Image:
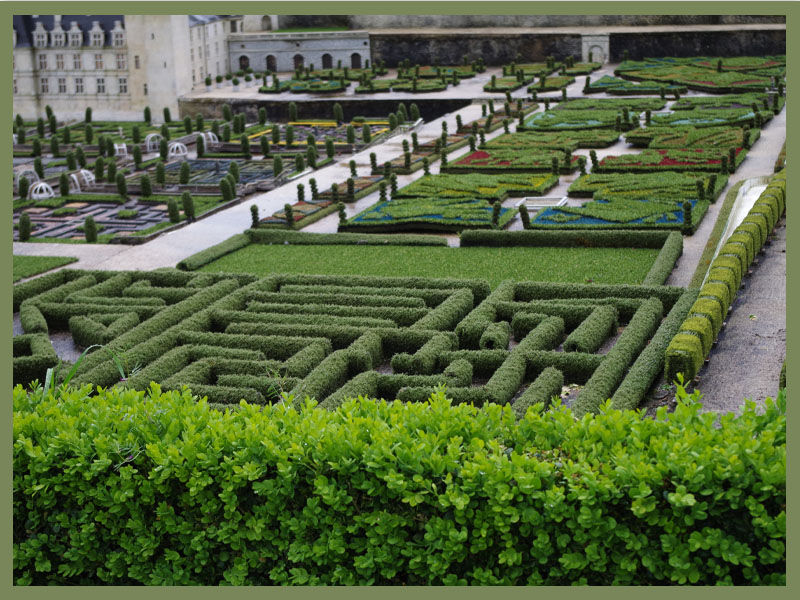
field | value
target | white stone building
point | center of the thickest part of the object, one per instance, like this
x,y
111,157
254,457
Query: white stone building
x,y
117,64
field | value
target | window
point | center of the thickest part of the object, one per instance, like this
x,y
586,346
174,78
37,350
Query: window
x,y
101,85
40,39
43,62
97,38
119,39
75,39
98,61
15,86
123,85
190,34
60,62
193,77
216,47
200,52
191,54
79,85
76,62
122,62
145,89
58,39
62,85
136,61
233,26
201,72
207,52
44,85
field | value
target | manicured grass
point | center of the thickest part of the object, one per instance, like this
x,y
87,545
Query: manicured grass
x,y
601,265
27,266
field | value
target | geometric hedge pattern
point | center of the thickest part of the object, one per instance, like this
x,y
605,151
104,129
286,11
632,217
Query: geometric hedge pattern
x,y
232,337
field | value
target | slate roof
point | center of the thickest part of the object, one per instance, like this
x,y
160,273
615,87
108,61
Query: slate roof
x,y
25,25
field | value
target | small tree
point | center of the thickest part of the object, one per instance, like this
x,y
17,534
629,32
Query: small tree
x,y
392,122
147,186
215,127
135,133
338,113
167,115
414,112
525,216
329,147
37,147
163,149
227,115
496,215
582,164
289,212
88,134
444,158
23,187
277,166
245,142
24,227
311,157
165,131
731,159
80,155
687,217
40,127
173,211
161,173
88,115
122,185
289,135
382,191
351,134
723,164
38,167
426,166
21,135
111,174
506,125
53,124
555,165
593,157
482,136
90,230
335,193
299,163
188,206
137,157
200,123
147,116
366,133
264,142
233,170
72,164
187,124
342,213
184,174
253,216
292,111
226,133
393,184
201,146
63,185
99,168
54,148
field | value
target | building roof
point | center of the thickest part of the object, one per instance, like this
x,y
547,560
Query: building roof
x,y
203,19
25,25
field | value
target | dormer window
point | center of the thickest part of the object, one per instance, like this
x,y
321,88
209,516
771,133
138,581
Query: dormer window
x,y
75,35
118,34
96,34
57,36
40,35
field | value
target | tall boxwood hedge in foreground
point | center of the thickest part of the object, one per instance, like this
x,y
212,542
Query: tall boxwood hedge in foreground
x,y
133,487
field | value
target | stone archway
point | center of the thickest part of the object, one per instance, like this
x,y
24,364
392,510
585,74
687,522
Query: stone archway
x,y
244,62
298,61
327,61
355,60
266,23
272,64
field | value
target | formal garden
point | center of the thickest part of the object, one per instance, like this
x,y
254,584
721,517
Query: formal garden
x,y
475,366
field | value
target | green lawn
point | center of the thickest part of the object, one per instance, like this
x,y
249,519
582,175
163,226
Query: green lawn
x,y
574,265
27,266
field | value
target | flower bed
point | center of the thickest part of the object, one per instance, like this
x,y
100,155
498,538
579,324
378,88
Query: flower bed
x,y
559,120
699,79
708,118
418,86
557,140
691,137
318,86
433,214
698,159
673,186
511,160
375,86
616,104
506,84
489,187
304,213
430,72
529,69
283,86
623,87
551,84
362,186
580,68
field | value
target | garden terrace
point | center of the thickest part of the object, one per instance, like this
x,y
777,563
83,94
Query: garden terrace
x,y
490,186
418,85
427,214
429,72
530,69
211,171
673,186
727,102
506,84
580,68
508,160
556,140
693,159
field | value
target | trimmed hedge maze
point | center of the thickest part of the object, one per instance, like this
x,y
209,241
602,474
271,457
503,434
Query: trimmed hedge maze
x,y
233,337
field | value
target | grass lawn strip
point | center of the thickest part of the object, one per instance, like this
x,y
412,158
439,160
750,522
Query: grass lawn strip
x,y
28,266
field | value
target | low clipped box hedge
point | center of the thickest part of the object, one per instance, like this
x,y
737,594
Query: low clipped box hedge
x,y
157,488
688,349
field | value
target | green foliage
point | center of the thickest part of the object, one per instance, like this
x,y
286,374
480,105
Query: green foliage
x,y
499,466
173,211
25,227
187,204
147,186
90,229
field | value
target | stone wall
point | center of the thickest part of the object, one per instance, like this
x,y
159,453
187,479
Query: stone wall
x,y
460,21
698,43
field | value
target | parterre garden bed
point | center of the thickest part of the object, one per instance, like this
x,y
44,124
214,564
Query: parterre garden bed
x,y
691,159
554,140
507,160
692,137
488,186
